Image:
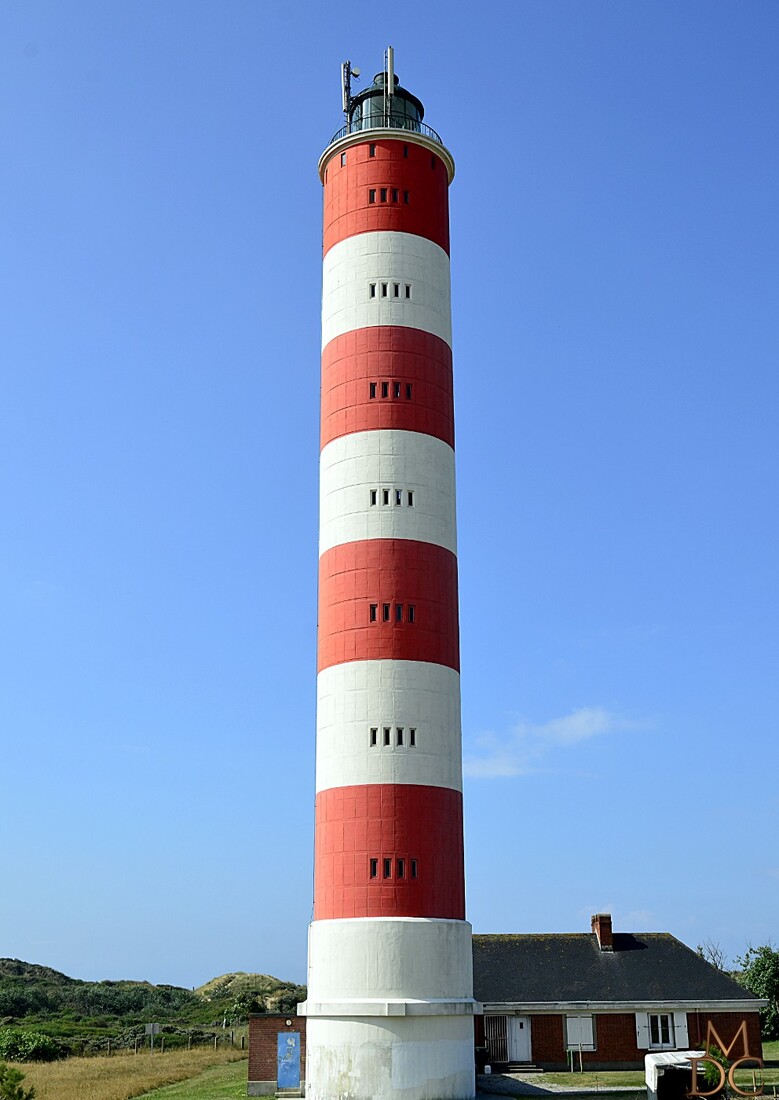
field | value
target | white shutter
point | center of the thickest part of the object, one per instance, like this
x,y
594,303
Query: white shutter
x,y
588,1039
680,1031
573,1032
642,1031
579,1032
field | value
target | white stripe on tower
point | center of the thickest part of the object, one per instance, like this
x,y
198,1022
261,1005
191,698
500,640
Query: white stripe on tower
x,y
418,698
387,484
390,985
385,261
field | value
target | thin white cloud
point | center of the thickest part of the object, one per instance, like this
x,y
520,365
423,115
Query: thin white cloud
x,y
638,920
522,750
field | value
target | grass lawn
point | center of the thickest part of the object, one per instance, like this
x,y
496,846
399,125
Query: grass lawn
x,y
128,1075
771,1051
603,1079
612,1079
217,1083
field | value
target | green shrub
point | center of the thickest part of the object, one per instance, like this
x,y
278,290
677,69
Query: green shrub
x,y
11,1084
710,1072
21,1044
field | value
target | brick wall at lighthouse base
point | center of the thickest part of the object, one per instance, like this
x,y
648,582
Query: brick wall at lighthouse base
x,y
263,1030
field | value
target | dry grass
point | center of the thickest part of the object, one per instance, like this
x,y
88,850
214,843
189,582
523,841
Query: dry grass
x,y
120,1077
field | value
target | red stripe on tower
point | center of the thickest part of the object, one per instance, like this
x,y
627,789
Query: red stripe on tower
x,y
388,599
389,850
387,377
389,938
389,185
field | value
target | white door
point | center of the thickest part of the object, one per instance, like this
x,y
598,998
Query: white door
x,y
519,1038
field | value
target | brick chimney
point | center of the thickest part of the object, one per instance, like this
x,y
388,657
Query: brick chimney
x,y
601,926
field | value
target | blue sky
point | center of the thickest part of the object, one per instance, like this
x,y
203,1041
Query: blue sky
x,y
615,244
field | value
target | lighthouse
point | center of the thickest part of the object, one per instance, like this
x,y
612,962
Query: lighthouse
x,y
390,990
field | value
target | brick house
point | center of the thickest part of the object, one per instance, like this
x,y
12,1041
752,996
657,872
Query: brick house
x,y
603,997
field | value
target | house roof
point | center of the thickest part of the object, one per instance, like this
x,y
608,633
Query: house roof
x,y
645,966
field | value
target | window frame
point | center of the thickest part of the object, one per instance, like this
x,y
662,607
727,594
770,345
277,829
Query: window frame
x,y
670,1043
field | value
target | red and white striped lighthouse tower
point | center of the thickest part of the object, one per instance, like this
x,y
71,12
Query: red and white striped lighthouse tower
x,y
390,991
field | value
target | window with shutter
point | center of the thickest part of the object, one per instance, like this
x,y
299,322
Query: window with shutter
x,y
580,1033
661,1031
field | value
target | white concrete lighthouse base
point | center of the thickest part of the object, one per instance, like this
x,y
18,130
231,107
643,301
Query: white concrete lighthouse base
x,y
390,1058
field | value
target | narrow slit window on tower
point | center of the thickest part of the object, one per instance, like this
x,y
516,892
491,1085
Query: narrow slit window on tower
x,y
383,191
405,150
394,194
408,290
412,737
372,389
406,197
385,496
399,612
385,389
374,612
414,868
372,290
373,497
385,612
374,735
388,868
399,735
411,612
396,388
372,150
374,868
371,195
387,734
343,159
384,289
410,496
432,160
396,290
401,868
408,391
398,496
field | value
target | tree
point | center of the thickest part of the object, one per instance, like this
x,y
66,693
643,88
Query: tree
x,y
713,954
760,974
11,1084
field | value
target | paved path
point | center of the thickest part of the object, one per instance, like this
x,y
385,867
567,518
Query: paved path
x,y
533,1084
